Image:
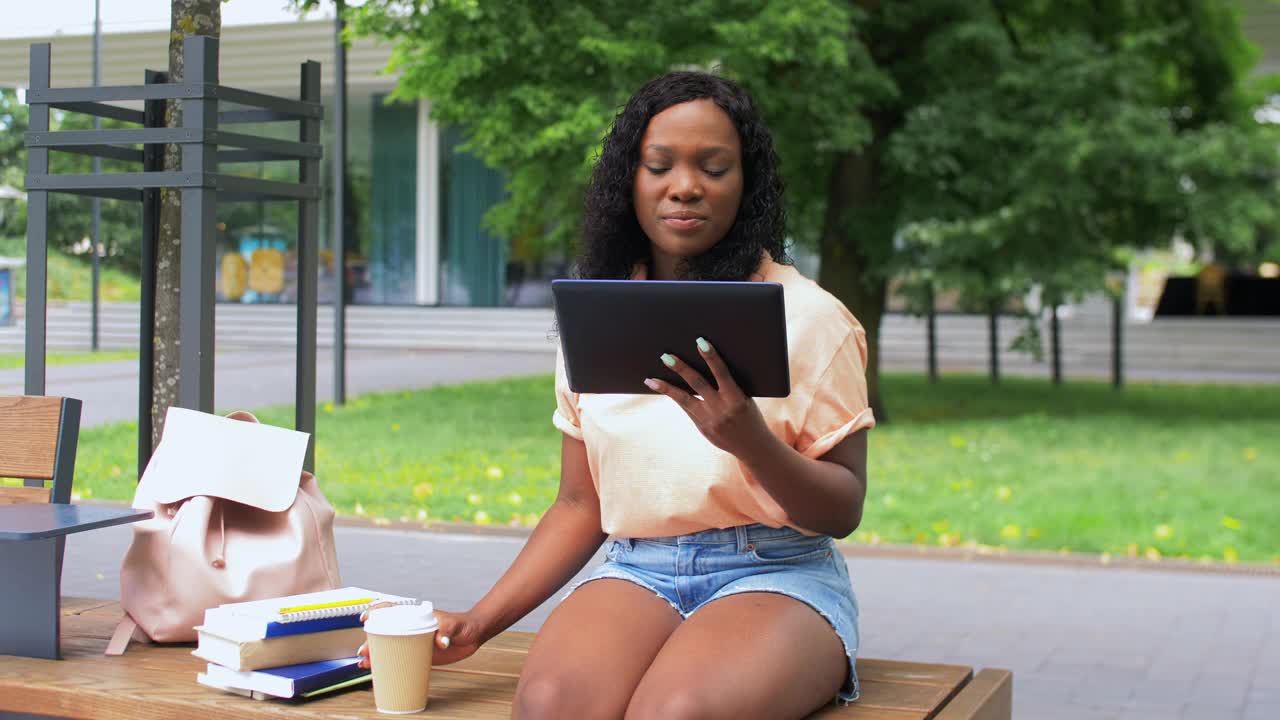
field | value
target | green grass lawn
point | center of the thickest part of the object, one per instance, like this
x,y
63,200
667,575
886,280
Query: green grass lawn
x,y
1155,470
71,278
9,361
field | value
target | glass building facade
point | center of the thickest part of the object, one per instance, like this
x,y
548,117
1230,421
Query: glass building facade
x,y
414,228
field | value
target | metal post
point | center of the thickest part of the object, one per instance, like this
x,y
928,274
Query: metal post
x,y
1055,341
1117,339
30,623
339,207
308,249
152,161
195,366
96,231
993,323
931,330
37,230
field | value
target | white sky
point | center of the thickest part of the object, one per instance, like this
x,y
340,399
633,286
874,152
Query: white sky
x,y
42,18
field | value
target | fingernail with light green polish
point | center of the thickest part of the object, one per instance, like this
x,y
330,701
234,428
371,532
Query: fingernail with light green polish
x,y
669,360
703,345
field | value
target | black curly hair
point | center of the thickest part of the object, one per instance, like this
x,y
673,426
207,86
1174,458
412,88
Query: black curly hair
x,y
612,240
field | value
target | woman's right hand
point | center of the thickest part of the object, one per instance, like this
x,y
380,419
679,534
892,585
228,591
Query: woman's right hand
x,y
458,637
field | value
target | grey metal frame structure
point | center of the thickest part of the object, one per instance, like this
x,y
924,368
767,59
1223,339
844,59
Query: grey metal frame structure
x,y
204,146
339,228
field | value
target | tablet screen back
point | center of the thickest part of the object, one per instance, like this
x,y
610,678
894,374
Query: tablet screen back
x,y
613,332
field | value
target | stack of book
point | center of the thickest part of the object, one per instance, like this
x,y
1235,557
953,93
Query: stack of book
x,y
299,646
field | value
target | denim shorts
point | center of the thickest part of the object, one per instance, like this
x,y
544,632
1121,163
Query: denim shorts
x,y
689,571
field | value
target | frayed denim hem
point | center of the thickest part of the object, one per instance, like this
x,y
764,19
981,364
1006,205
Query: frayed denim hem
x,y
608,575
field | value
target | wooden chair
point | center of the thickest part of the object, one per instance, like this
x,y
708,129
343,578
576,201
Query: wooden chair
x,y
38,439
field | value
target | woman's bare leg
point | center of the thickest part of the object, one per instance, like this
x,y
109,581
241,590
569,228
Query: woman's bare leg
x,y
750,655
591,653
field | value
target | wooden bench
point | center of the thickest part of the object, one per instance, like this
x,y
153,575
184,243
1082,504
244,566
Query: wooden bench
x,y
160,681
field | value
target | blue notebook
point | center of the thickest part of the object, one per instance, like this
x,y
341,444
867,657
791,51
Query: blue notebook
x,y
295,614
291,680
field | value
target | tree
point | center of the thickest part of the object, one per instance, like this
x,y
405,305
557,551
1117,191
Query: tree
x,y
187,17
13,124
69,216
1117,135
893,120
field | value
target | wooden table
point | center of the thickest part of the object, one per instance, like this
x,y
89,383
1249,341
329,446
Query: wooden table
x,y
160,682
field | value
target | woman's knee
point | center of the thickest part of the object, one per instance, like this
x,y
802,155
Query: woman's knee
x,y
552,695
680,703
539,697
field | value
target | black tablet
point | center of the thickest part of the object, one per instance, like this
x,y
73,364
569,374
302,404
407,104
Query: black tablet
x,y
613,332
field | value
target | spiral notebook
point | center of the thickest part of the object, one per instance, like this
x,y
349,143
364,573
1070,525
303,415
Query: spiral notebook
x,y
295,614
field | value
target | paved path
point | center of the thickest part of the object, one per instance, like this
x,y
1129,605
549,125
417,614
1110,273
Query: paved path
x,y
255,379
1083,643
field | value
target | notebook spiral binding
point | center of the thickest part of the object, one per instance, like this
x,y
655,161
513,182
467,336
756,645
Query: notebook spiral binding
x,y
340,611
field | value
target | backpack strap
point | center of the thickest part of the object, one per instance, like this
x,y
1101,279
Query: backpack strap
x,y
127,630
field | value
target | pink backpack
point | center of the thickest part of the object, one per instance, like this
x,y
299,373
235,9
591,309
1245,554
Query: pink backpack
x,y
212,545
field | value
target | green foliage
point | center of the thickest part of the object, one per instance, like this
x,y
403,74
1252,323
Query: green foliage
x,y
536,85
1025,465
1030,143
69,215
1069,148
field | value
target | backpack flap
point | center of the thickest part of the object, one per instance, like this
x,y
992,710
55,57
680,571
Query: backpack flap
x,y
233,458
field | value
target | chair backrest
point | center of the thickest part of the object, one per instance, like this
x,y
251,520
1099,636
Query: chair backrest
x,y
38,438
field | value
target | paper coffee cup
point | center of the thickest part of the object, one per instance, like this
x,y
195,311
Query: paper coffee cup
x,y
401,640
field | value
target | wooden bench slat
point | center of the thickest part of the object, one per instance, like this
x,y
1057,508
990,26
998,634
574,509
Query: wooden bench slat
x,y
79,606
21,495
159,681
989,696
903,696
29,435
909,672
857,712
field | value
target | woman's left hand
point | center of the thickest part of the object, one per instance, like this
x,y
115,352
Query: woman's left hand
x,y
725,415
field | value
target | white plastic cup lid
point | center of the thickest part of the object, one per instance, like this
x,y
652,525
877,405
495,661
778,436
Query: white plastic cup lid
x,y
402,620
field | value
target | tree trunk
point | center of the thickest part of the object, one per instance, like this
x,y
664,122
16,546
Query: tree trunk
x,y
858,226
187,17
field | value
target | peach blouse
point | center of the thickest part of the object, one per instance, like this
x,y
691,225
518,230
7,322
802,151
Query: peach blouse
x,y
657,475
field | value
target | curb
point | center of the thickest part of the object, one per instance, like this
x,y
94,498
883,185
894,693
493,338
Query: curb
x,y
896,551
1040,558
443,527
872,551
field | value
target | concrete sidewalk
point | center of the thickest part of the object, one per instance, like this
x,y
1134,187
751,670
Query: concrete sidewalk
x,y
1083,643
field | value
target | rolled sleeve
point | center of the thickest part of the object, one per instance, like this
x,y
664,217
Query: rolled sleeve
x,y
839,405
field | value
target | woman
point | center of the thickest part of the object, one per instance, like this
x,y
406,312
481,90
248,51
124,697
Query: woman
x,y
723,594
